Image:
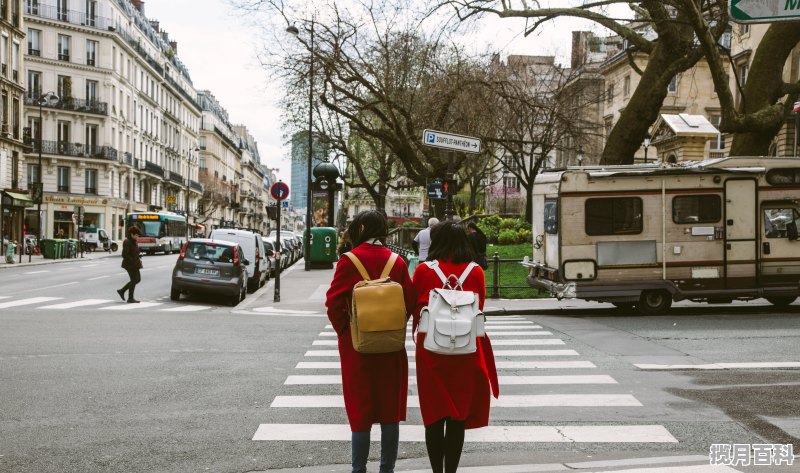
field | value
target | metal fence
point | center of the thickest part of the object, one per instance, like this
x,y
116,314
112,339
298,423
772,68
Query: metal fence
x,y
507,279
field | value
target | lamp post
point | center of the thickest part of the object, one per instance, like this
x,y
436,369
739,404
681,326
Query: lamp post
x,y
505,191
191,160
580,155
39,189
307,234
646,145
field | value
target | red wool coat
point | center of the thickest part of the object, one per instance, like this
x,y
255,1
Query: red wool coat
x,y
455,386
375,386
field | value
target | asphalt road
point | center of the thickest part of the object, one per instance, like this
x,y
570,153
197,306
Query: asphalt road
x,y
183,386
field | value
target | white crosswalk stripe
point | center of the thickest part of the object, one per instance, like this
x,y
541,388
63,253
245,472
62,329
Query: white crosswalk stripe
x,y
506,400
124,306
335,353
29,301
505,434
80,303
518,365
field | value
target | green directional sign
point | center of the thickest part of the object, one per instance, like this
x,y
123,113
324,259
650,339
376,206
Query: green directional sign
x,y
764,11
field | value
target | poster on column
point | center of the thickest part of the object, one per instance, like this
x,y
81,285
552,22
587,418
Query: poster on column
x,y
319,205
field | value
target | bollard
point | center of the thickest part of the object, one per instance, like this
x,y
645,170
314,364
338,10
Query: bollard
x,y
496,276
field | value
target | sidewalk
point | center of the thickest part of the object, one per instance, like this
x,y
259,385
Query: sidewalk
x,y
38,260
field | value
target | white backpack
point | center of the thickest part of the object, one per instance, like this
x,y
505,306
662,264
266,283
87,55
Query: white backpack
x,y
452,319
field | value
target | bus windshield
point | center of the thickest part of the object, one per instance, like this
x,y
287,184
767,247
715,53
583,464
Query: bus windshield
x,y
148,228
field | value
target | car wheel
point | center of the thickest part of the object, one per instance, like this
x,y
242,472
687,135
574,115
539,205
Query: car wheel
x,y
782,301
114,247
654,302
175,294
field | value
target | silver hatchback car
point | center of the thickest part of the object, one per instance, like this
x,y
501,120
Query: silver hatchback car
x,y
208,266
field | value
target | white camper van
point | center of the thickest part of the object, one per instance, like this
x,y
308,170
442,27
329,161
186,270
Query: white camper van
x,y
648,235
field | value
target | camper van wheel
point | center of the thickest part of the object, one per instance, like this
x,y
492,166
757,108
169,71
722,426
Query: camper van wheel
x,y
654,302
781,301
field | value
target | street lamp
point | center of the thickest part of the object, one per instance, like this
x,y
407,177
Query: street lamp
x,y
191,160
38,190
307,237
580,155
646,145
505,191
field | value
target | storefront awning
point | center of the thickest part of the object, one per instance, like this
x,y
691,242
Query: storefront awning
x,y
13,199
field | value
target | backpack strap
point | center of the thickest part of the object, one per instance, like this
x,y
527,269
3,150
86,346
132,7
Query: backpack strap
x,y
466,272
360,267
434,265
388,268
363,271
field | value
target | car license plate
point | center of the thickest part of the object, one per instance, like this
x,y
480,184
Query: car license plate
x,y
207,272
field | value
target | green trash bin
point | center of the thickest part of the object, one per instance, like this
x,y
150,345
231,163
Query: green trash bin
x,y
60,248
413,262
323,245
49,250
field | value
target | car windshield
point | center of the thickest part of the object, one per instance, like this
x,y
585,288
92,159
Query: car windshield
x,y
210,251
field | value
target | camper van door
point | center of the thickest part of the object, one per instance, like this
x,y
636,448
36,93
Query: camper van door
x,y
741,224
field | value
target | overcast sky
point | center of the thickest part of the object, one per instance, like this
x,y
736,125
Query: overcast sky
x,y
219,50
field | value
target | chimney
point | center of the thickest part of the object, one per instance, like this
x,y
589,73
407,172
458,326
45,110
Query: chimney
x,y
579,49
174,46
154,24
139,5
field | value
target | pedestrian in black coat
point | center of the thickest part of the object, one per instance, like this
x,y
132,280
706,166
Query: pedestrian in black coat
x,y
132,263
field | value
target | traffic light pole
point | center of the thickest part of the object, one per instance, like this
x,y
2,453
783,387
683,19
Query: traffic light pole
x,y
277,250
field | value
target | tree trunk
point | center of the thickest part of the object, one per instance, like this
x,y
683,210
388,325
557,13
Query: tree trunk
x,y
641,111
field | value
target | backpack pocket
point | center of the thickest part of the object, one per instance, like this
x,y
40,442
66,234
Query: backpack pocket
x,y
451,336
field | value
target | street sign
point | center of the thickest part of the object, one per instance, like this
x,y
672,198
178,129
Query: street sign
x,y
439,139
764,11
279,190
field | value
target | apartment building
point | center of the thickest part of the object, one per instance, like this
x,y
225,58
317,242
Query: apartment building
x,y
252,193
12,177
111,110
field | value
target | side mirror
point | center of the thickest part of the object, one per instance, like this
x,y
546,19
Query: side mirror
x,y
791,231
246,262
270,253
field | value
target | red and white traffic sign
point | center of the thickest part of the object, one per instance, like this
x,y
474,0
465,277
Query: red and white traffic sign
x,y
279,190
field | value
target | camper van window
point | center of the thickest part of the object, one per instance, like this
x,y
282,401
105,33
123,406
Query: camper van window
x,y
776,220
551,217
782,176
614,216
696,209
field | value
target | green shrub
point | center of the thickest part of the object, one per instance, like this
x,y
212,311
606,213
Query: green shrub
x,y
508,224
507,237
524,235
491,233
411,224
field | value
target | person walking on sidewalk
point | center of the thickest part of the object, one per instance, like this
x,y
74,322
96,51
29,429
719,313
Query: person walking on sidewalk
x,y
423,239
375,385
454,390
132,263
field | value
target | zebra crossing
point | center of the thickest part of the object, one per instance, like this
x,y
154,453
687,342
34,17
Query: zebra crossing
x,y
47,304
526,355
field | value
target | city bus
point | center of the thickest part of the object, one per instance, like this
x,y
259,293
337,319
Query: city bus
x,y
159,231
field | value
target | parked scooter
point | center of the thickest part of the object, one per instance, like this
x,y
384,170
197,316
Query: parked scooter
x,y
31,245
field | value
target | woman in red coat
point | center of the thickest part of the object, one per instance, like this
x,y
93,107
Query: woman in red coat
x,y
454,390
375,386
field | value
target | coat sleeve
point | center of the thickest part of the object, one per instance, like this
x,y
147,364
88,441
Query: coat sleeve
x,y
337,299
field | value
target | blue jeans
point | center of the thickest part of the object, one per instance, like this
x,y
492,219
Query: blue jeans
x,y
390,441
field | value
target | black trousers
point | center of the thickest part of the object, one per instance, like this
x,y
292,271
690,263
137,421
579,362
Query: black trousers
x,y
444,445
135,277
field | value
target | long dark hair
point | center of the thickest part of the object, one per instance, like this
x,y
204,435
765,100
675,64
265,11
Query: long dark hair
x,y
449,242
367,225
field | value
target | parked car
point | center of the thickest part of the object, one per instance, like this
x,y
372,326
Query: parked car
x,y
207,266
269,248
253,247
286,255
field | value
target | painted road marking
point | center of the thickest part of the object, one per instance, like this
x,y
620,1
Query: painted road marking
x,y
187,308
504,380
506,365
506,400
505,434
124,306
721,366
81,303
279,311
36,272
490,331
98,277
496,353
32,300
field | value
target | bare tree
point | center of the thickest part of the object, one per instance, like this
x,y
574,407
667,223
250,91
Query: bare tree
x,y
216,196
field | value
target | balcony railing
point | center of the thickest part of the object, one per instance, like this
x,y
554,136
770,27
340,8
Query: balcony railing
x,y
196,185
63,57
70,103
34,52
175,177
127,158
154,168
75,149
